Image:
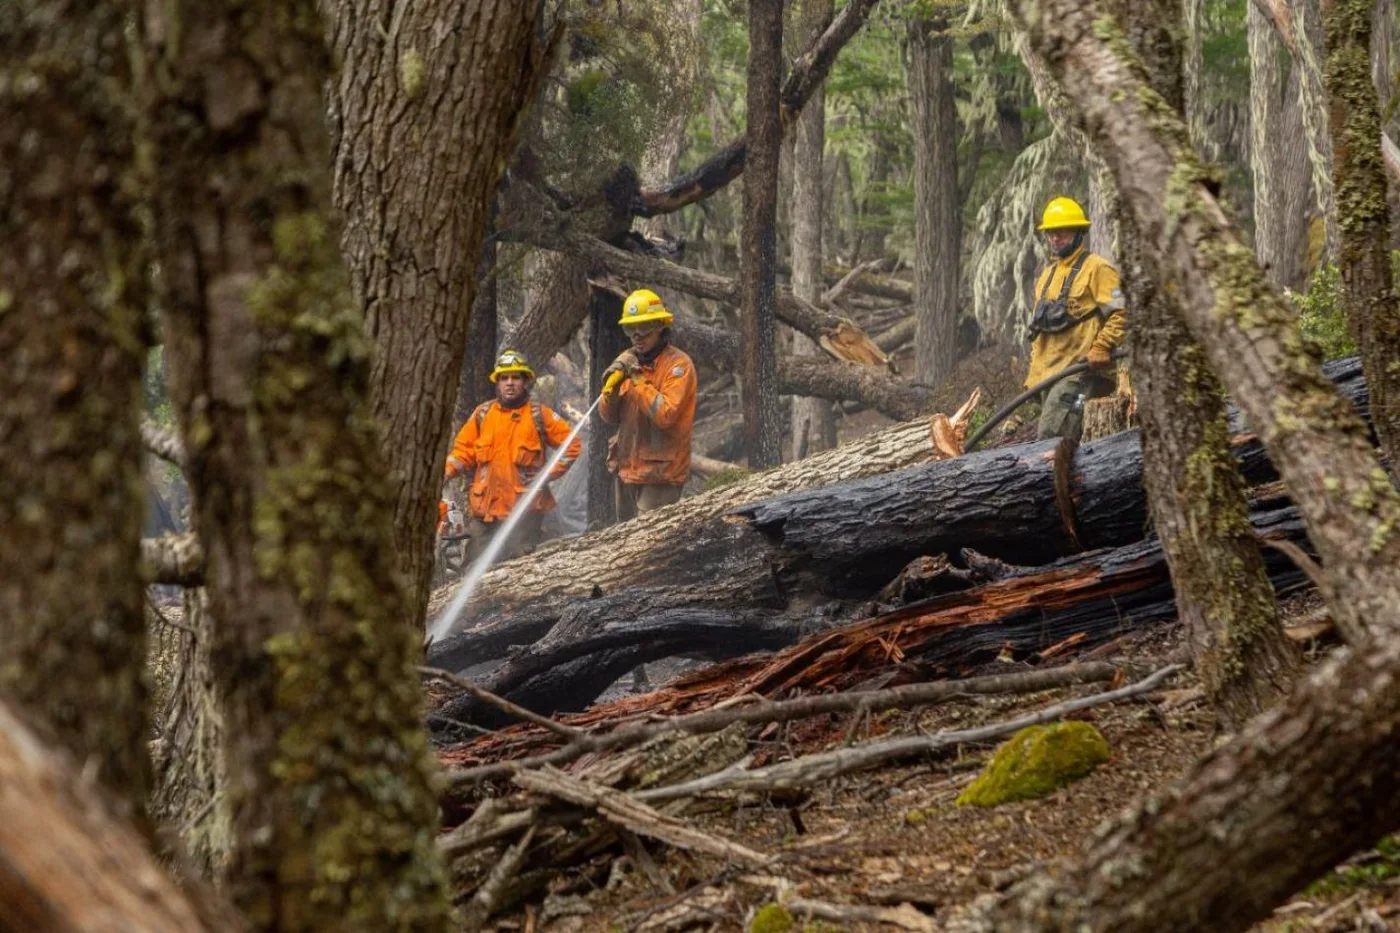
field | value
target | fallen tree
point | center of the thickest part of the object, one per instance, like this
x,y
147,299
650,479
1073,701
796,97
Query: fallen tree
x,y
1028,504
1079,601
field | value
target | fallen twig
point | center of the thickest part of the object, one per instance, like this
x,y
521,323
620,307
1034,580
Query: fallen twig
x,y
908,696
812,769
488,896
905,916
502,704
626,811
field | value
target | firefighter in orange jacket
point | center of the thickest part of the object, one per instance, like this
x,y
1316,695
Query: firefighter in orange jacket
x,y
502,447
654,407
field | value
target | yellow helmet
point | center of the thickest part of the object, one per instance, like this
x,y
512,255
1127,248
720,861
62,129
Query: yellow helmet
x,y
511,361
644,305
1063,214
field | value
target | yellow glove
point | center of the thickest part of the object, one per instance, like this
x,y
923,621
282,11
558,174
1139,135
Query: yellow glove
x,y
1098,356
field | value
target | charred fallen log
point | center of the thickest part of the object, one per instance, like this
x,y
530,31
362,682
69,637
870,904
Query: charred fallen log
x,y
1080,601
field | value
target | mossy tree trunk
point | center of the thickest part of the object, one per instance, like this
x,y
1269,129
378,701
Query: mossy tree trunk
x,y
425,113
73,337
1363,212
758,241
1249,334
1196,494
330,778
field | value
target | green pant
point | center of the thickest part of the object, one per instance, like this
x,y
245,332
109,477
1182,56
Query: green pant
x,y
633,499
524,536
1062,411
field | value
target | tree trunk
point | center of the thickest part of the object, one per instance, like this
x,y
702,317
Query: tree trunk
x,y
937,216
662,155
813,419
331,791
73,335
479,357
759,237
1197,496
605,342
1364,213
424,117
68,864
1250,334
1307,48
557,302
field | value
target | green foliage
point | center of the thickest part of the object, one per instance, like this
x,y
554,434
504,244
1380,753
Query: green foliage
x,y
1367,873
772,918
726,477
1037,761
1322,313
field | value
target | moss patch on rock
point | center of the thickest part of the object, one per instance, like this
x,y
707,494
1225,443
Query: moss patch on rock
x,y
1037,761
772,918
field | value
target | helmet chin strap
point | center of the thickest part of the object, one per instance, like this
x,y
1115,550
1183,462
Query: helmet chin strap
x,y
1074,244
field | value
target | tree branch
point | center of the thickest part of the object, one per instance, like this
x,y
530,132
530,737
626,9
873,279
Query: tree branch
x,y
163,442
807,73
176,560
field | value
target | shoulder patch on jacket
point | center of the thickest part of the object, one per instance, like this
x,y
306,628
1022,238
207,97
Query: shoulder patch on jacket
x,y
678,370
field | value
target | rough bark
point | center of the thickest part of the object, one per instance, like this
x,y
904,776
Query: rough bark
x,y
813,420
424,114
1249,333
479,357
1304,786
1279,167
1364,253
73,337
68,862
758,240
661,158
556,303
937,212
1308,48
330,779
1197,497
605,342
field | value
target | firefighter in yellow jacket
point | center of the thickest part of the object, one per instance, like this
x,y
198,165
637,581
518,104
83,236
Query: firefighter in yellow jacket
x,y
654,408
1079,317
502,447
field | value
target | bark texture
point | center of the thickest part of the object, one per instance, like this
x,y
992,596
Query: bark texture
x,y
424,114
605,342
937,213
1364,213
1250,335
73,338
68,864
479,357
758,240
1197,497
813,419
330,776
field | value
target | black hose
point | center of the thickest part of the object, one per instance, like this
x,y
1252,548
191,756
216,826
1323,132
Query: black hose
x,y
1026,396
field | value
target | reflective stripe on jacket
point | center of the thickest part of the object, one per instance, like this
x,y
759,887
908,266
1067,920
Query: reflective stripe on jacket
x,y
502,450
655,413
1095,303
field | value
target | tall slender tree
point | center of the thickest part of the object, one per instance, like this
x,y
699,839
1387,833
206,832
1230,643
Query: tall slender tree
x,y
1364,213
1194,489
330,776
813,420
759,238
937,217
73,335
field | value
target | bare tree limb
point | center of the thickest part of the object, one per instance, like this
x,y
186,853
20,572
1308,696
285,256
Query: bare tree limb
x,y
626,811
488,896
808,71
176,560
163,442
910,696
502,704
811,769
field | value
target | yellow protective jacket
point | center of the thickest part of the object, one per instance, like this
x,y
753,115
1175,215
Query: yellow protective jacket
x,y
503,451
656,414
1095,304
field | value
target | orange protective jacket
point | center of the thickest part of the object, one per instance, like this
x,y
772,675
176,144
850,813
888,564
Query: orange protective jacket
x,y
656,414
503,451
